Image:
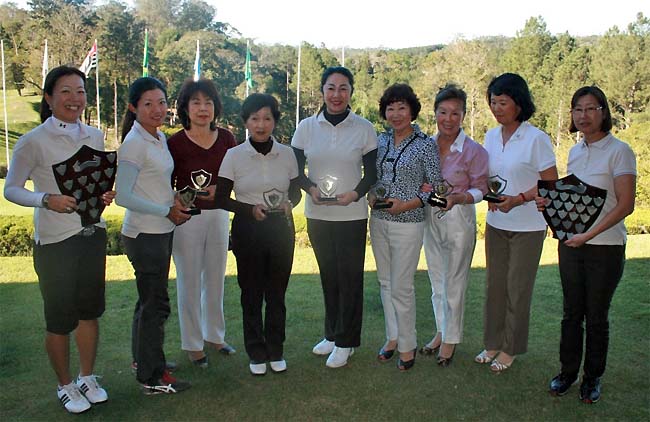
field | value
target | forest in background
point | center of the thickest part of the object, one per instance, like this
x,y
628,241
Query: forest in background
x,y
554,65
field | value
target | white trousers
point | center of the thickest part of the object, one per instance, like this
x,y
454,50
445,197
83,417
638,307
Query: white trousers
x,y
449,246
200,251
396,247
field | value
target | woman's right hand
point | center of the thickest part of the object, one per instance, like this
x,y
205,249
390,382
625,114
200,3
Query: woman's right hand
x,y
61,203
541,203
315,196
259,212
176,213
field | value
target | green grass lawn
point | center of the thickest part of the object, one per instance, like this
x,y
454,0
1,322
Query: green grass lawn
x,y
22,116
366,389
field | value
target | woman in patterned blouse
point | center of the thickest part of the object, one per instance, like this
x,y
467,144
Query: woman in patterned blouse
x,y
406,158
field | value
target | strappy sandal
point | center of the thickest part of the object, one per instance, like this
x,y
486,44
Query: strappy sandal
x,y
498,367
429,350
483,357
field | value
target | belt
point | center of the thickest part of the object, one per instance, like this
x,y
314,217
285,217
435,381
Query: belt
x,y
87,231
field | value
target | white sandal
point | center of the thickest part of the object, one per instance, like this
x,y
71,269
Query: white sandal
x,y
498,367
483,357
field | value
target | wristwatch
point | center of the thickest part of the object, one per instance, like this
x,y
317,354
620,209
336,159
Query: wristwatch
x,y
45,202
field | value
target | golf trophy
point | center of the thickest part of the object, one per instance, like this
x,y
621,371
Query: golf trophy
x,y
200,180
438,197
496,186
86,176
572,206
327,186
274,199
381,192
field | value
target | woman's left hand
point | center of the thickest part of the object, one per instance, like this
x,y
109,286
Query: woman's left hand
x,y
509,202
108,197
577,240
398,206
346,198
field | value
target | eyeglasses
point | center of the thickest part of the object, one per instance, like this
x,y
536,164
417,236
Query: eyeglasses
x,y
586,110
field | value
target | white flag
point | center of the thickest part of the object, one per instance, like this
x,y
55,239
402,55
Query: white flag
x,y
90,61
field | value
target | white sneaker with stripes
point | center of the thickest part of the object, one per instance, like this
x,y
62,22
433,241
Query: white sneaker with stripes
x,y
91,389
72,399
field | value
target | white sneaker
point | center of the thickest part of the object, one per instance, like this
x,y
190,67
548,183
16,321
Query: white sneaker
x,y
257,368
278,365
323,348
91,389
72,399
339,357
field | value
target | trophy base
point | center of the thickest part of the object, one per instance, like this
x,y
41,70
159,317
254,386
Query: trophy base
x,y
493,199
437,202
202,193
328,198
192,211
274,211
381,205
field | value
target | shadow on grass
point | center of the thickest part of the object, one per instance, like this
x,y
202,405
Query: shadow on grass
x,y
366,389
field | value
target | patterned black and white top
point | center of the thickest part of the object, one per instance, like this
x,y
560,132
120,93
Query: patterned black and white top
x,y
404,168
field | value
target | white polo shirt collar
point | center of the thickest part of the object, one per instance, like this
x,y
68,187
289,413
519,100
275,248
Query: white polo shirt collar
x,y
146,135
250,150
601,144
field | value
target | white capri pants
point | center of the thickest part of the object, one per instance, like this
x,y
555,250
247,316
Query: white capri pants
x,y
200,251
449,246
396,247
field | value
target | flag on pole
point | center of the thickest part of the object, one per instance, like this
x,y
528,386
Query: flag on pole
x,y
46,67
90,61
248,74
197,63
145,59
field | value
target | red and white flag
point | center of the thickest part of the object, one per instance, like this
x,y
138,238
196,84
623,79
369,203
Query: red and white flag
x,y
90,61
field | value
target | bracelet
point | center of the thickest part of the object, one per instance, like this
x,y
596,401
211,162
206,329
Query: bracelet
x,y
523,197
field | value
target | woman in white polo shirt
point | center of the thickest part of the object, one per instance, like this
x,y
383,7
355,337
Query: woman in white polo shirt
x,y
520,154
338,143
591,263
70,259
264,176
152,212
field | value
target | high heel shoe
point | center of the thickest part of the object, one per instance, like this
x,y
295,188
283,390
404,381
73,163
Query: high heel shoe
x,y
385,355
405,365
445,362
427,350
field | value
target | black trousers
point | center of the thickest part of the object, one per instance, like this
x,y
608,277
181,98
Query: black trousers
x,y
150,256
264,253
589,276
340,249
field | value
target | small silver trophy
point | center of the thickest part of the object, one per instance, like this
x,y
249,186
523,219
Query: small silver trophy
x,y
201,179
273,199
327,186
496,186
381,192
187,195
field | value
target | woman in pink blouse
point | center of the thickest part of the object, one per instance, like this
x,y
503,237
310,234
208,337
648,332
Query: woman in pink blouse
x,y
450,234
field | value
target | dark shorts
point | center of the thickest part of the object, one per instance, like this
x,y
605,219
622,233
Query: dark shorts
x,y
71,276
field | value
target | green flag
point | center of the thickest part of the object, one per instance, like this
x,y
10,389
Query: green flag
x,y
145,59
248,74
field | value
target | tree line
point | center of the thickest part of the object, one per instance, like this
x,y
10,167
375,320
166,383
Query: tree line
x,y
554,65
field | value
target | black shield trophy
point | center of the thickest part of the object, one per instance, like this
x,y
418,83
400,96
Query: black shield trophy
x,y
273,199
496,186
572,206
327,186
187,195
438,197
381,192
86,176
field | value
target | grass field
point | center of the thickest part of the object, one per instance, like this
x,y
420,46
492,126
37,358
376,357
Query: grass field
x,y
22,116
366,389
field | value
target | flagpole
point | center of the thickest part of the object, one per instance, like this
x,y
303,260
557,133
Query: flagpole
x,y
247,55
343,56
4,101
145,59
46,66
298,87
99,119
197,63
246,70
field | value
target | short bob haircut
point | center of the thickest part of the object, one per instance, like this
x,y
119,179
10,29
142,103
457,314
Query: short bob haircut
x,y
50,82
606,125
256,102
515,87
189,89
400,92
450,92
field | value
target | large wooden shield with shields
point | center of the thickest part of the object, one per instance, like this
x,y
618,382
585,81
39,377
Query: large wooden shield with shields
x,y
86,176
572,205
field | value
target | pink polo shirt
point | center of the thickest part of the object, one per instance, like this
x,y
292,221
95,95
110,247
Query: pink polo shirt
x,y
466,167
